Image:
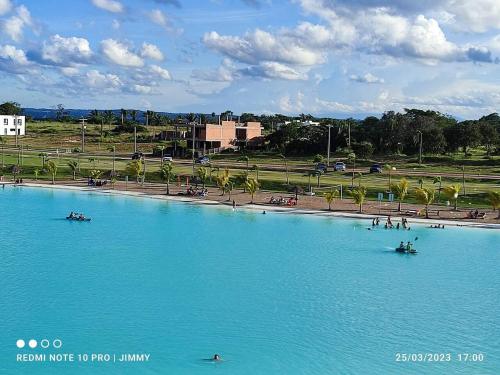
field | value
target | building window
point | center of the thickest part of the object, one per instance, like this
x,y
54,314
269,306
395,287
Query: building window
x,y
6,121
13,130
19,122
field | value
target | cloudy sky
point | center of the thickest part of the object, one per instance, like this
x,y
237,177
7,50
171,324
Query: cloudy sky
x,y
347,58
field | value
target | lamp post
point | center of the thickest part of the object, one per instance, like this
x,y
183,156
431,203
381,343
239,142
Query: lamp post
x,y
83,133
192,151
15,128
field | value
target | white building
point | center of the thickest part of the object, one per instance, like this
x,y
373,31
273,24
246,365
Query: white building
x,y
9,125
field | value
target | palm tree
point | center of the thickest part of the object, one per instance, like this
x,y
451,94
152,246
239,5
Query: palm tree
x,y
133,115
425,196
252,186
421,182
389,168
3,142
352,158
166,172
113,150
244,158
73,165
52,169
223,180
438,180
451,192
135,168
109,117
241,180
494,199
228,188
358,194
286,167
214,169
330,197
203,175
400,190
36,172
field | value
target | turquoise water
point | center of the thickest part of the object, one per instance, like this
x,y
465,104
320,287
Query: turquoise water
x,y
273,294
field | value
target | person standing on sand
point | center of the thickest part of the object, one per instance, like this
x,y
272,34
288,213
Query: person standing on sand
x,y
234,204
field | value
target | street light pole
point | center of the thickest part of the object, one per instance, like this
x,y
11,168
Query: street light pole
x,y
328,148
135,139
15,126
83,133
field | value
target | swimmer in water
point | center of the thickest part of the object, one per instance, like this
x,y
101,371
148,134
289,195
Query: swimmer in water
x,y
216,357
263,212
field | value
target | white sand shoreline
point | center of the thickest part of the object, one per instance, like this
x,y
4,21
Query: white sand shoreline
x,y
255,207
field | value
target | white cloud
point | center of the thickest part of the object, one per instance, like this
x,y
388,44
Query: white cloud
x,y
13,54
477,15
158,17
289,105
14,25
112,6
69,71
224,73
119,53
142,89
160,72
367,78
151,51
5,7
66,51
332,106
14,60
270,69
115,24
96,80
260,45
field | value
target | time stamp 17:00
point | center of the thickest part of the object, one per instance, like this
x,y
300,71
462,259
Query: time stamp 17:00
x,y
439,357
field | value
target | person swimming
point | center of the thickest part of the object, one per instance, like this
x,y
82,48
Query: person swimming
x,y
216,357
263,212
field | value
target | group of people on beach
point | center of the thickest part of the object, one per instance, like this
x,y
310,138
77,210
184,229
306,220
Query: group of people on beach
x,y
389,225
197,192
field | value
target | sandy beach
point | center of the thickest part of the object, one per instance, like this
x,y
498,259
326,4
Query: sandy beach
x,y
311,205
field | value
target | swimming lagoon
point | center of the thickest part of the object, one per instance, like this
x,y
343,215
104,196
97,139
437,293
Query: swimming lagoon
x,y
272,294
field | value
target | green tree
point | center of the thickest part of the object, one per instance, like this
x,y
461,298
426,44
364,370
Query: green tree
x,y
330,197
36,172
203,175
451,192
358,194
135,168
222,181
10,108
51,167
438,180
318,158
494,199
425,196
167,173
73,166
252,186
400,190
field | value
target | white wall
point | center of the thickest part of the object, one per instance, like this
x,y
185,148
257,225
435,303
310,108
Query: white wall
x,y
8,128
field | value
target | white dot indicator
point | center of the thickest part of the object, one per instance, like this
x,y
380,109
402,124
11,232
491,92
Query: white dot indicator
x,y
20,343
33,344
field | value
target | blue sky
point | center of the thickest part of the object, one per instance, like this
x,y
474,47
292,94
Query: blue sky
x,y
347,58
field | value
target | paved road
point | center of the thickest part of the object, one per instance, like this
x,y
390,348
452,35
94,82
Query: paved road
x,y
296,167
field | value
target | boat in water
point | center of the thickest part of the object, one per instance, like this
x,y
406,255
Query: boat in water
x,y
406,249
77,217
